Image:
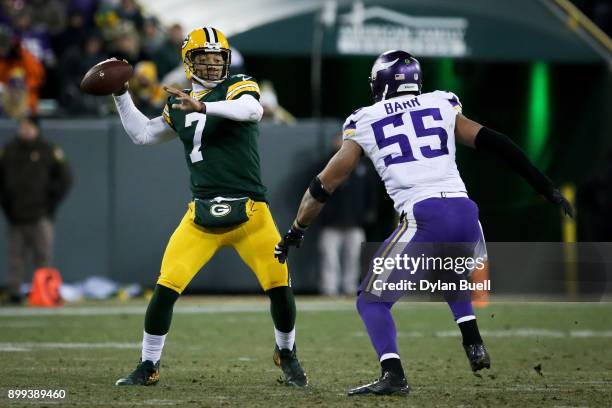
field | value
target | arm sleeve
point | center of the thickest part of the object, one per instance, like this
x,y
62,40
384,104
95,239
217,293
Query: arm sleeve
x,y
243,109
142,130
502,146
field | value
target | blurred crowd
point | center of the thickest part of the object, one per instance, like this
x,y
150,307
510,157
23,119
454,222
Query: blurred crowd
x,y
46,46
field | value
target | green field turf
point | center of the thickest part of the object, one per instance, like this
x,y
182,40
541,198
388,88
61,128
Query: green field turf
x,y
219,353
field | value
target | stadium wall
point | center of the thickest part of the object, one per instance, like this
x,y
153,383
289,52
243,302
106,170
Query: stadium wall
x,y
127,200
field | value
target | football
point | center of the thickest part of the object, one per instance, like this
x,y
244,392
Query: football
x,y
106,77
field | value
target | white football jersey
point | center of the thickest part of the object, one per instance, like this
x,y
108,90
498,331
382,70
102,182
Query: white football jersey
x,y
411,141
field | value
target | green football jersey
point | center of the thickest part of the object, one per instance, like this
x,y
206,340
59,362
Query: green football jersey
x,y
221,154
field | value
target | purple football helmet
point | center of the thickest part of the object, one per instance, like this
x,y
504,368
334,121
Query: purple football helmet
x,y
394,72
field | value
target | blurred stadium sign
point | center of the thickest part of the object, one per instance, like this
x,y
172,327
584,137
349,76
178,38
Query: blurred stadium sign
x,y
378,29
518,30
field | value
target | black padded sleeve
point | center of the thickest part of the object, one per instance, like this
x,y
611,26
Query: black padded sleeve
x,y
503,147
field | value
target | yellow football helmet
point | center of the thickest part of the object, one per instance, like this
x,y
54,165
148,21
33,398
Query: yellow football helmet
x,y
205,40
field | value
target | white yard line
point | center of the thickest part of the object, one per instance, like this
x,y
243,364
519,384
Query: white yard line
x,y
12,348
255,307
521,332
29,346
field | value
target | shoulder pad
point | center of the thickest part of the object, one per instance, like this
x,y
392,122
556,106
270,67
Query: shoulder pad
x,y
350,124
355,111
238,84
450,97
239,77
349,128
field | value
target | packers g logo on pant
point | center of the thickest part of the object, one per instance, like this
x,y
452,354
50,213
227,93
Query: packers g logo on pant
x,y
220,210
191,246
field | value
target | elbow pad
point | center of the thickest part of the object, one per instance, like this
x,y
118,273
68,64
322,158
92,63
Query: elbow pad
x,y
317,191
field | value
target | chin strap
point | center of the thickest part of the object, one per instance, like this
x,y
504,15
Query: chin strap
x,y
384,94
200,85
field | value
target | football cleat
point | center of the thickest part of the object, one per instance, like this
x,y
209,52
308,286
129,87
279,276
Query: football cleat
x,y
387,384
478,356
293,373
145,373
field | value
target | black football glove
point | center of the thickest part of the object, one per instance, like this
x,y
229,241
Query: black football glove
x,y
557,198
293,237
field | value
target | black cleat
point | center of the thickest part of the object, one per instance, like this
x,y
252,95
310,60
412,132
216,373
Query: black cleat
x,y
478,356
145,373
387,384
293,372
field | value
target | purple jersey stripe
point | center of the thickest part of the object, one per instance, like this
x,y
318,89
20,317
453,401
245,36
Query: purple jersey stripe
x,y
454,101
392,241
352,125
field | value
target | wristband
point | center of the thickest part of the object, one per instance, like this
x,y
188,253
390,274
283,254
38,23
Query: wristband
x,y
296,225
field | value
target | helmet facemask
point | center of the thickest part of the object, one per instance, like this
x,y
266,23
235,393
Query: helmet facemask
x,y
209,66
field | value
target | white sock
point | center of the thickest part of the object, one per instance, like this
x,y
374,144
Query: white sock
x,y
387,356
284,340
152,347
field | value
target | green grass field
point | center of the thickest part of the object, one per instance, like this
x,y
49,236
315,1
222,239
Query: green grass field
x,y
219,353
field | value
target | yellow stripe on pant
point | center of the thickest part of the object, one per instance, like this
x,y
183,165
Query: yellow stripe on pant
x,y
388,249
191,247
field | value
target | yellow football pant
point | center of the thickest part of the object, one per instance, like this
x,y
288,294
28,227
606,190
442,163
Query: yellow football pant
x,y
191,247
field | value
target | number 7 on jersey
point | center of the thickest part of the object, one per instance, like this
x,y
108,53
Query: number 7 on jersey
x,y
200,118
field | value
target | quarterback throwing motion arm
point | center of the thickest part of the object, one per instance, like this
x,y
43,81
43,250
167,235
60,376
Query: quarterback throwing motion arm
x,y
340,166
244,109
142,130
145,131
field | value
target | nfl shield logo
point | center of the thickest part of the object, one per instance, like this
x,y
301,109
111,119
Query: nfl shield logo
x,y
400,77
